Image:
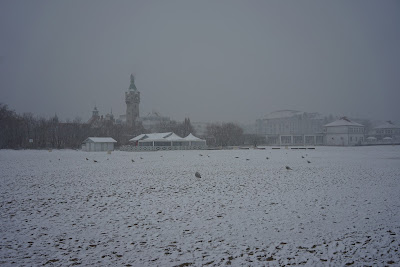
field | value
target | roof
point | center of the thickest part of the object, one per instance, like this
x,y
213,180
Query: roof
x,y
343,122
283,114
153,136
100,140
388,125
191,137
174,137
287,113
137,138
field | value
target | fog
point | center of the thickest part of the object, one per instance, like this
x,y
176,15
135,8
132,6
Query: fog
x,y
207,60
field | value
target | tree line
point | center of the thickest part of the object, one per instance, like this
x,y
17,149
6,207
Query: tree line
x,y
28,131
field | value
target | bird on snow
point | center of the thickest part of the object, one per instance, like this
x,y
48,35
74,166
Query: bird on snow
x,y
247,159
302,157
141,158
87,159
308,161
267,158
197,174
200,155
95,160
236,157
132,160
288,168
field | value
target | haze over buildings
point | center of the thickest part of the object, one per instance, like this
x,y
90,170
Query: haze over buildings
x,y
210,61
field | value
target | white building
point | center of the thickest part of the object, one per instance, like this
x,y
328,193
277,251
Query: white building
x,y
343,132
291,127
98,144
386,130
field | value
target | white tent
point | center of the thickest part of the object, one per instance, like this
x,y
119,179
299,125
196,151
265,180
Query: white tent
x,y
159,139
168,139
195,141
177,140
387,138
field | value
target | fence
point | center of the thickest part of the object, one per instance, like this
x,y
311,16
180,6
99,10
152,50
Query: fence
x,y
160,148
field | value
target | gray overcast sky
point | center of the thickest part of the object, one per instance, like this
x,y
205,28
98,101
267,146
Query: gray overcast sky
x,y
208,60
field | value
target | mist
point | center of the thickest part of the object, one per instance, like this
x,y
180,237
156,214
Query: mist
x,y
207,60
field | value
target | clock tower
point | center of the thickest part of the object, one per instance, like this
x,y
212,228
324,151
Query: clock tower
x,y
132,100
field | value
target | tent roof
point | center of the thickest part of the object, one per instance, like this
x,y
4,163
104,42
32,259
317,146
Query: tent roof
x,y
174,137
152,136
371,138
100,140
191,137
138,137
343,122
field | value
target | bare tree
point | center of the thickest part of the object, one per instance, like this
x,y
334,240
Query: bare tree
x,y
226,134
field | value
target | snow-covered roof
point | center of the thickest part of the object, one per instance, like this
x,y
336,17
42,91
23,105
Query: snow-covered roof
x,y
343,122
174,137
191,137
155,137
137,138
283,114
388,125
100,140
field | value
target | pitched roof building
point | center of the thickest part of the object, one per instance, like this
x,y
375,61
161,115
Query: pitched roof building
x,y
386,130
343,132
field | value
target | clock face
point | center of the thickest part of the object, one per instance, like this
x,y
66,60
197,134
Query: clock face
x,y
137,98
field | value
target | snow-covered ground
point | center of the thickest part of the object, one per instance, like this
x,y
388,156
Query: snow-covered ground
x,y
57,208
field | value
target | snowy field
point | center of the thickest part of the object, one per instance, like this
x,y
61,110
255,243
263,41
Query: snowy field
x,y
59,209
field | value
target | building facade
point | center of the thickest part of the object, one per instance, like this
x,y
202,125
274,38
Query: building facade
x,y
92,144
291,127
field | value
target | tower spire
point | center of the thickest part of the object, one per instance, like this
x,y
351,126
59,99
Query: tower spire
x,y
132,86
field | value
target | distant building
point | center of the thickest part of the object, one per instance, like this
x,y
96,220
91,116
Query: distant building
x,y
97,121
291,127
98,144
153,120
386,130
343,132
132,100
